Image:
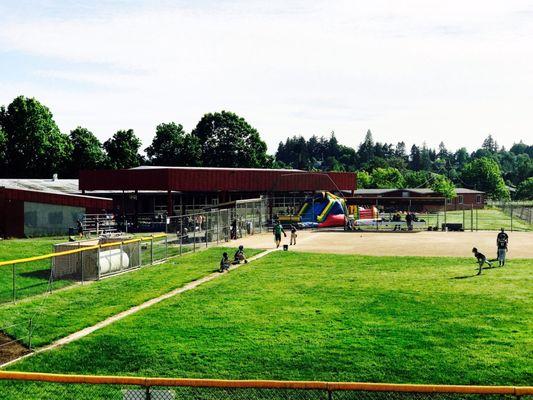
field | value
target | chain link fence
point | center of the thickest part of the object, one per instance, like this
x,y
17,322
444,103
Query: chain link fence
x,y
198,230
37,386
74,262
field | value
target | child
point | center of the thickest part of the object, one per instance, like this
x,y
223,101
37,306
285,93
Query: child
x,y
294,235
224,263
240,256
481,259
501,242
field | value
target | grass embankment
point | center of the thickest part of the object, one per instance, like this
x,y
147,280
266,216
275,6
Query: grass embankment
x,y
324,317
70,310
30,278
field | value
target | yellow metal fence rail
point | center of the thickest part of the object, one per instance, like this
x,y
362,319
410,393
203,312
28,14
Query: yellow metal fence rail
x,y
328,387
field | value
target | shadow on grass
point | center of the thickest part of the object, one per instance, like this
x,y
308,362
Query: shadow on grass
x,y
472,276
39,274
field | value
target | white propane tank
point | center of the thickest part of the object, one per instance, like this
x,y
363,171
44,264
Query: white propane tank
x,y
110,261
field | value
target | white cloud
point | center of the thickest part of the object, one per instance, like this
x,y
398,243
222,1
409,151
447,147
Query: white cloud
x,y
414,71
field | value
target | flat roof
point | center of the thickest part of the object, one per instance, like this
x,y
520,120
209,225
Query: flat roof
x,y
60,186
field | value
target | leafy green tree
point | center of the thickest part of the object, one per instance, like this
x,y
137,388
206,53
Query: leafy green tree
x,y
442,185
123,150
524,190
417,179
364,180
461,157
35,148
87,152
387,178
3,161
484,174
172,146
227,140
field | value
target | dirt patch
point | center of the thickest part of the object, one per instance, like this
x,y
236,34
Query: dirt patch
x,y
11,349
443,244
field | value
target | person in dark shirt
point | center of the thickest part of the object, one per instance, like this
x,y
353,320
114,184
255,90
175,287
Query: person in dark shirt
x,y
409,221
502,240
239,256
224,262
79,227
481,259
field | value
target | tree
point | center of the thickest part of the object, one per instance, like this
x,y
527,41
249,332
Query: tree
x,y
366,149
387,178
227,140
123,150
484,174
417,179
524,190
414,159
490,145
172,146
3,161
443,186
364,180
87,151
35,148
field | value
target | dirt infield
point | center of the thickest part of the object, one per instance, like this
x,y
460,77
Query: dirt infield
x,y
445,244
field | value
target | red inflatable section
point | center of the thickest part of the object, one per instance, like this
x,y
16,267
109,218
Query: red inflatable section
x,y
332,220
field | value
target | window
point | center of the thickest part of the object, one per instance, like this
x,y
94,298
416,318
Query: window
x,y
478,199
30,218
449,201
460,199
405,194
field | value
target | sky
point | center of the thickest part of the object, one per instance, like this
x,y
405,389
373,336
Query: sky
x,y
414,70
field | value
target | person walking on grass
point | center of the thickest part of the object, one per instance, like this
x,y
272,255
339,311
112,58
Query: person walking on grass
x,y
294,235
278,230
481,259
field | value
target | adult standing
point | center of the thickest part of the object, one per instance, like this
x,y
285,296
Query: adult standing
x,y
278,230
502,241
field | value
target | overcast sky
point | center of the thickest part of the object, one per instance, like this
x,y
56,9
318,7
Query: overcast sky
x,y
417,70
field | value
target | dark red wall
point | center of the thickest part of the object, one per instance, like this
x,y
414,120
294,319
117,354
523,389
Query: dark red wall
x,y
215,180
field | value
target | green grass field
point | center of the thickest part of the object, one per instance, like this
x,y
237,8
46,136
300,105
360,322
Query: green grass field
x,y
31,278
322,317
70,310
486,219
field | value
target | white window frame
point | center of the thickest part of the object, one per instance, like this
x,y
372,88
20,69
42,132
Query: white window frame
x,y
460,199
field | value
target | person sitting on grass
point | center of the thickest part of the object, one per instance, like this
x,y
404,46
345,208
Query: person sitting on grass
x,y
240,256
481,259
224,262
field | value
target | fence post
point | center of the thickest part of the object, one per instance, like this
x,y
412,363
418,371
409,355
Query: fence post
x,y
14,284
166,247
476,221
181,233
30,332
194,235
148,394
121,261
81,262
511,208
218,226
330,395
98,267
152,250
471,218
140,244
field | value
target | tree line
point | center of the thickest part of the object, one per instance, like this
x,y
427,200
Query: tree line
x,y
32,146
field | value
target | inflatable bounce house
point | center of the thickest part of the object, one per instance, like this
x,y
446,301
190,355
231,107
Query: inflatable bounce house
x,y
363,213
322,210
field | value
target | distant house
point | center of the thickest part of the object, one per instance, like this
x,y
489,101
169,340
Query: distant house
x,y
417,199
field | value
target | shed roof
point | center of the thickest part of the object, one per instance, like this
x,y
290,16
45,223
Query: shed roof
x,y
62,186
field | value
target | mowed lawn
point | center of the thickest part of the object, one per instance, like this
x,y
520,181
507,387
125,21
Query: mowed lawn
x,y
58,314
324,317
30,278
486,219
